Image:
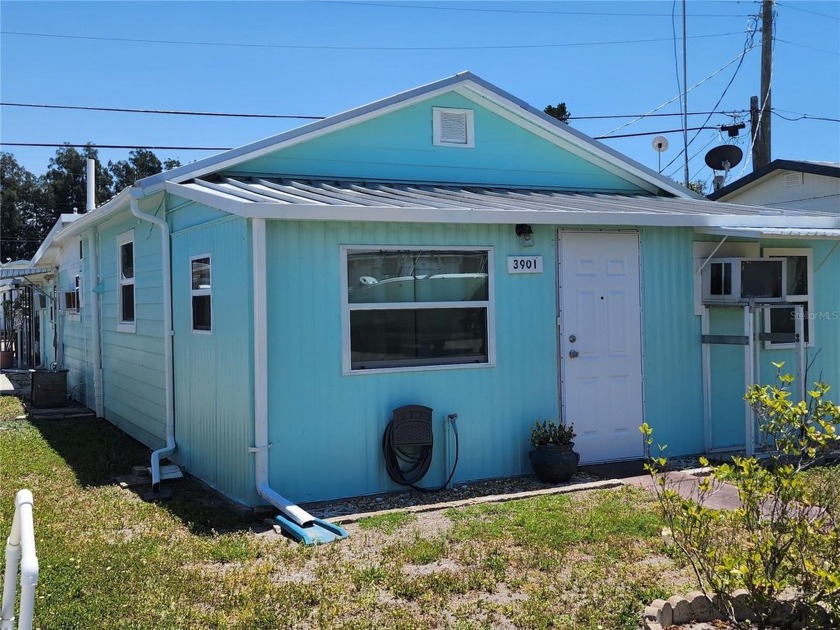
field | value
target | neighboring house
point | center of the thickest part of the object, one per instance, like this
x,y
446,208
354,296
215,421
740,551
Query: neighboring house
x,y
450,246
787,184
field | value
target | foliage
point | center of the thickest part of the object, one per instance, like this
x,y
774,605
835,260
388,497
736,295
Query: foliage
x,y
549,432
784,538
560,112
31,205
141,163
109,560
698,186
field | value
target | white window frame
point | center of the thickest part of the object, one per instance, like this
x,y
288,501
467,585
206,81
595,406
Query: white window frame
x,y
200,293
347,307
124,239
806,299
437,127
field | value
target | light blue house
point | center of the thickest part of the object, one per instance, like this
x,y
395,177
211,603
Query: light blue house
x,y
255,317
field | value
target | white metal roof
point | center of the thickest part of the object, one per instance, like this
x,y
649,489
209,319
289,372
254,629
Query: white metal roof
x,y
386,201
812,233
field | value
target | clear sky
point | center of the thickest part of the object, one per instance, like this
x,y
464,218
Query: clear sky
x,y
322,58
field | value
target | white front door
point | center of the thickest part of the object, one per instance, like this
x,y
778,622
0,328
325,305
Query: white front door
x,y
601,357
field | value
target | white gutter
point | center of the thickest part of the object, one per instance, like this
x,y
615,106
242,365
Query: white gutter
x,y
261,443
170,446
93,297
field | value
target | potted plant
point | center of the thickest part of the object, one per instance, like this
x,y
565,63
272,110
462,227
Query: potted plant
x,y
553,459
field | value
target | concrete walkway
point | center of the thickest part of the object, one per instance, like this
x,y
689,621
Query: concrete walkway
x,y
632,473
6,386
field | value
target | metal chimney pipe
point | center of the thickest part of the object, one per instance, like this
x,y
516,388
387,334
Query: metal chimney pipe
x,y
91,185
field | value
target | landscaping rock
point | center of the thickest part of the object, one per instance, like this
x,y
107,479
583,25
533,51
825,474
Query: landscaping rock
x,y
701,607
681,609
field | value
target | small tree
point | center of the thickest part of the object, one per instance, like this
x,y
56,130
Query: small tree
x,y
560,112
784,538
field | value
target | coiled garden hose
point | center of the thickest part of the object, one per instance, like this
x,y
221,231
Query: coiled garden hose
x,y
408,465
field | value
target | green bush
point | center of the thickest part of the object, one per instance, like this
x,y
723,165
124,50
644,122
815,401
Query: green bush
x,y
784,539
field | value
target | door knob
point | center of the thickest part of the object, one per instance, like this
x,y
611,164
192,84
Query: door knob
x,y
572,338
573,354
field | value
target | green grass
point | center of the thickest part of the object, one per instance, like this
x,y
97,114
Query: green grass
x,y
110,560
387,523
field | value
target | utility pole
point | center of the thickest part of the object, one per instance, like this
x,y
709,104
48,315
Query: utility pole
x,y
760,109
685,97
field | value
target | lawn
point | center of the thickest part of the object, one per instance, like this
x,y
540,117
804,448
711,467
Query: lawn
x,y
110,560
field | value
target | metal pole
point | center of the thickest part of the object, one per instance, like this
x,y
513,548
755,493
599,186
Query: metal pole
x,y
685,96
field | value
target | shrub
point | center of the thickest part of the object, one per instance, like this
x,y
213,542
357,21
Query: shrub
x,y
784,538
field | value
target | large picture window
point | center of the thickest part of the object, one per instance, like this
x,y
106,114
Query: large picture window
x,y
125,277
800,282
417,307
201,294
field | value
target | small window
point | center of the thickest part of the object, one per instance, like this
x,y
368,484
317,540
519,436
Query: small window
x,y
800,280
201,294
72,298
453,127
416,308
125,277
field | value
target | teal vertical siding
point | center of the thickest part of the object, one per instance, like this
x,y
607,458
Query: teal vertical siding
x,y
672,361
398,146
214,418
327,428
134,393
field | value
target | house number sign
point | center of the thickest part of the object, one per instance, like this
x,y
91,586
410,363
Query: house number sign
x,y
525,264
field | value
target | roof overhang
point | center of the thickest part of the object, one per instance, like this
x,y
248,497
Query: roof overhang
x,y
824,169
406,203
773,232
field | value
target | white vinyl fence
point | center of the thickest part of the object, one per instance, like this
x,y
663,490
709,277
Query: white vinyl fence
x,y
20,552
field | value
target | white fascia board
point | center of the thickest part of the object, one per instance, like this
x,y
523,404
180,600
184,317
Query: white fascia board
x,y
584,146
46,244
807,233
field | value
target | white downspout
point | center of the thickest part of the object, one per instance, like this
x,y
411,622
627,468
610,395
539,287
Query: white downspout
x,y
170,446
93,300
261,444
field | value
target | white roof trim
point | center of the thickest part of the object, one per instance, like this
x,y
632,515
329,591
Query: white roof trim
x,y
768,232
585,146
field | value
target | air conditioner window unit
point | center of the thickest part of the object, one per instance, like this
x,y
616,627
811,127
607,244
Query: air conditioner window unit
x,y
739,280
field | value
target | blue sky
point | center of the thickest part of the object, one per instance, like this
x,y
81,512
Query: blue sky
x,y
321,58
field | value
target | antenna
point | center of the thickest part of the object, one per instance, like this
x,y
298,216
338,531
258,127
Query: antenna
x,y
723,158
660,145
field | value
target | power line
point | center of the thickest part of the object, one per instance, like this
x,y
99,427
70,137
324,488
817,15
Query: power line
x,y
244,115
160,111
394,48
822,50
168,148
737,57
110,146
802,116
517,11
825,15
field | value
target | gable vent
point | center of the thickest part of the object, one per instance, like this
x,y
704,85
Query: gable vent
x,y
792,179
453,127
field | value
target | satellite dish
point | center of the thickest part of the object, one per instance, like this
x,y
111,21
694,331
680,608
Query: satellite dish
x,y
724,157
660,144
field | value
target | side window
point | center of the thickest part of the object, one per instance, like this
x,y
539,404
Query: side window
x,y
800,283
410,308
125,279
202,299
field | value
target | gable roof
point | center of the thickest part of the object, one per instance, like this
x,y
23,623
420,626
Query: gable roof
x,y
827,169
463,81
